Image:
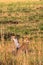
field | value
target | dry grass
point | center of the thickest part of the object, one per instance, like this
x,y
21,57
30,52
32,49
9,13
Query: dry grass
x,y
34,49
8,1
33,55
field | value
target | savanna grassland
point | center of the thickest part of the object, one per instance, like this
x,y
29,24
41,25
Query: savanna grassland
x,y
24,19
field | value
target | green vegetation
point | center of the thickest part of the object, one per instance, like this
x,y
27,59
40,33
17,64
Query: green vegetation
x,y
29,13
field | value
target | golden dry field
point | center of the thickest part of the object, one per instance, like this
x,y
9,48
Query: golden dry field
x,y
24,19
17,0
